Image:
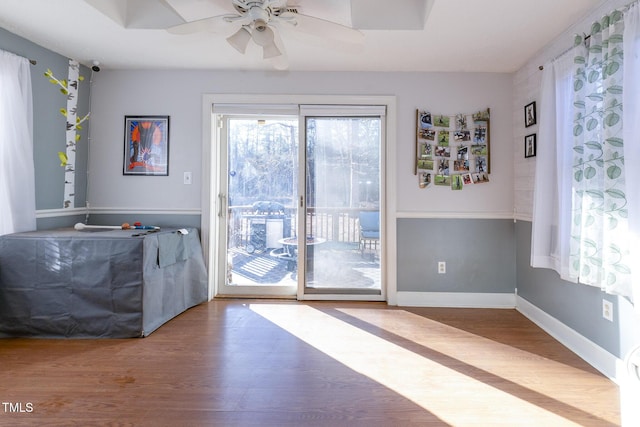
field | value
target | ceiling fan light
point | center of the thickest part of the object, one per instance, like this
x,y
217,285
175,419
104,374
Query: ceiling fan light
x,y
240,39
270,51
263,37
260,25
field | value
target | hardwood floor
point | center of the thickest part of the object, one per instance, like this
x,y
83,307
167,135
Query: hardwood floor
x,y
281,363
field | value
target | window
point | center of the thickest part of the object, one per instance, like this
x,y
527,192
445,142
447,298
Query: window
x,y
585,209
17,175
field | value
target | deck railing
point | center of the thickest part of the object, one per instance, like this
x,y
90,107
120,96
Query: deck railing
x,y
332,224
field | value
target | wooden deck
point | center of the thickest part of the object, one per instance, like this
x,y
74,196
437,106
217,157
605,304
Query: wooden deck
x,y
280,363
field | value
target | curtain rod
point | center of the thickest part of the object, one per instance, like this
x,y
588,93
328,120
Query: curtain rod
x,y
624,9
541,67
31,61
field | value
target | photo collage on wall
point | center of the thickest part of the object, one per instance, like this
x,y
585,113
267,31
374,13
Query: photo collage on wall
x,y
452,151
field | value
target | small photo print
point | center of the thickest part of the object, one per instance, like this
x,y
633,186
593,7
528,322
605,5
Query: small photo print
x,y
456,182
425,120
443,138
462,136
425,179
425,164
443,167
442,180
466,179
479,150
463,153
441,121
480,135
443,151
481,116
461,165
479,178
481,164
461,122
426,151
428,134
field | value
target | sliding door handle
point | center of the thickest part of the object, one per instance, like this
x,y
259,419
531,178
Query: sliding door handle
x,y
221,207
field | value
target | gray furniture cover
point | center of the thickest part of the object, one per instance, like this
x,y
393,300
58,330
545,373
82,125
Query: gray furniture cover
x,y
90,284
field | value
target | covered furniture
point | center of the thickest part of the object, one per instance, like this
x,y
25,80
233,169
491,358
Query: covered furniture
x,y
99,283
369,226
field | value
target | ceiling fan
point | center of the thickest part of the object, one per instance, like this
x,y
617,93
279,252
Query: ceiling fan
x,y
262,21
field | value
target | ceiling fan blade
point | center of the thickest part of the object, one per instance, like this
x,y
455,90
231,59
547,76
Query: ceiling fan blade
x,y
327,29
213,24
280,62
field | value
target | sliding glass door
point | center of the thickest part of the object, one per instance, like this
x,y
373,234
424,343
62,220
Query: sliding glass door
x,y
258,204
342,216
301,219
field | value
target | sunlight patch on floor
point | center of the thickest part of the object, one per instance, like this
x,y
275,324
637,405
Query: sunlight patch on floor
x,y
502,360
429,384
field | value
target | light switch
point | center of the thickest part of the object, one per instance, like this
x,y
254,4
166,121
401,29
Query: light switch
x,y
187,178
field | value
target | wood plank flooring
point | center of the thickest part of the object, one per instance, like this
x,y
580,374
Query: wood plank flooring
x,y
284,363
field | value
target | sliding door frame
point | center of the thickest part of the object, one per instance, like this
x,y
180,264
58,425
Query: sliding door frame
x,y
211,184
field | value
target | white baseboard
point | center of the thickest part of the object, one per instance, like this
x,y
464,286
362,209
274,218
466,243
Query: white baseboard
x,y
455,299
605,362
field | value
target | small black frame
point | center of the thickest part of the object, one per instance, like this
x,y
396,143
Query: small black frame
x,y
530,145
530,114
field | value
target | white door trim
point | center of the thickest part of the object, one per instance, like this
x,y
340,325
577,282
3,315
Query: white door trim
x,y
210,180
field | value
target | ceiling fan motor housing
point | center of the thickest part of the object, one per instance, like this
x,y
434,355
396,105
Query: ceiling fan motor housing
x,y
258,13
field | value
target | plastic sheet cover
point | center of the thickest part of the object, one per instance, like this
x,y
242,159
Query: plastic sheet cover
x,y
97,283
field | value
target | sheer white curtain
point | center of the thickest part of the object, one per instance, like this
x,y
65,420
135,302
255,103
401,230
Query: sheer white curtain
x,y
552,187
586,219
17,174
631,120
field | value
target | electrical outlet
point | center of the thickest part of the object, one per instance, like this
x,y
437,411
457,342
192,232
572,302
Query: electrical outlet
x,y
607,310
187,178
442,267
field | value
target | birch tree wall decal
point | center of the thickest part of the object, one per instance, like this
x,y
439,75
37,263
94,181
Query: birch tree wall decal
x,y
69,88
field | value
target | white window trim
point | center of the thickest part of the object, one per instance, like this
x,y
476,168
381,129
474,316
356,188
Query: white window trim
x,y
210,156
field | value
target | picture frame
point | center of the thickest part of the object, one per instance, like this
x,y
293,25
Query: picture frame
x,y
530,145
530,114
146,145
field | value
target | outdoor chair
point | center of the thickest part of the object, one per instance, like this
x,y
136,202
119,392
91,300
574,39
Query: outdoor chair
x,y
369,223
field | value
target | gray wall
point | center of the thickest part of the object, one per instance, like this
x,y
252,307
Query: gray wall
x,y
480,255
577,306
49,125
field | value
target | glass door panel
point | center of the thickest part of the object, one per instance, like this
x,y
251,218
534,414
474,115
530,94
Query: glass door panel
x,y
343,205
260,189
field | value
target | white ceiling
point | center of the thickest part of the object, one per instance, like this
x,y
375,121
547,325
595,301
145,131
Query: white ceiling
x,y
459,35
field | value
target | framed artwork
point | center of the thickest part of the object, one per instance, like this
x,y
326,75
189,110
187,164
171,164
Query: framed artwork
x,y
530,114
530,145
146,145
